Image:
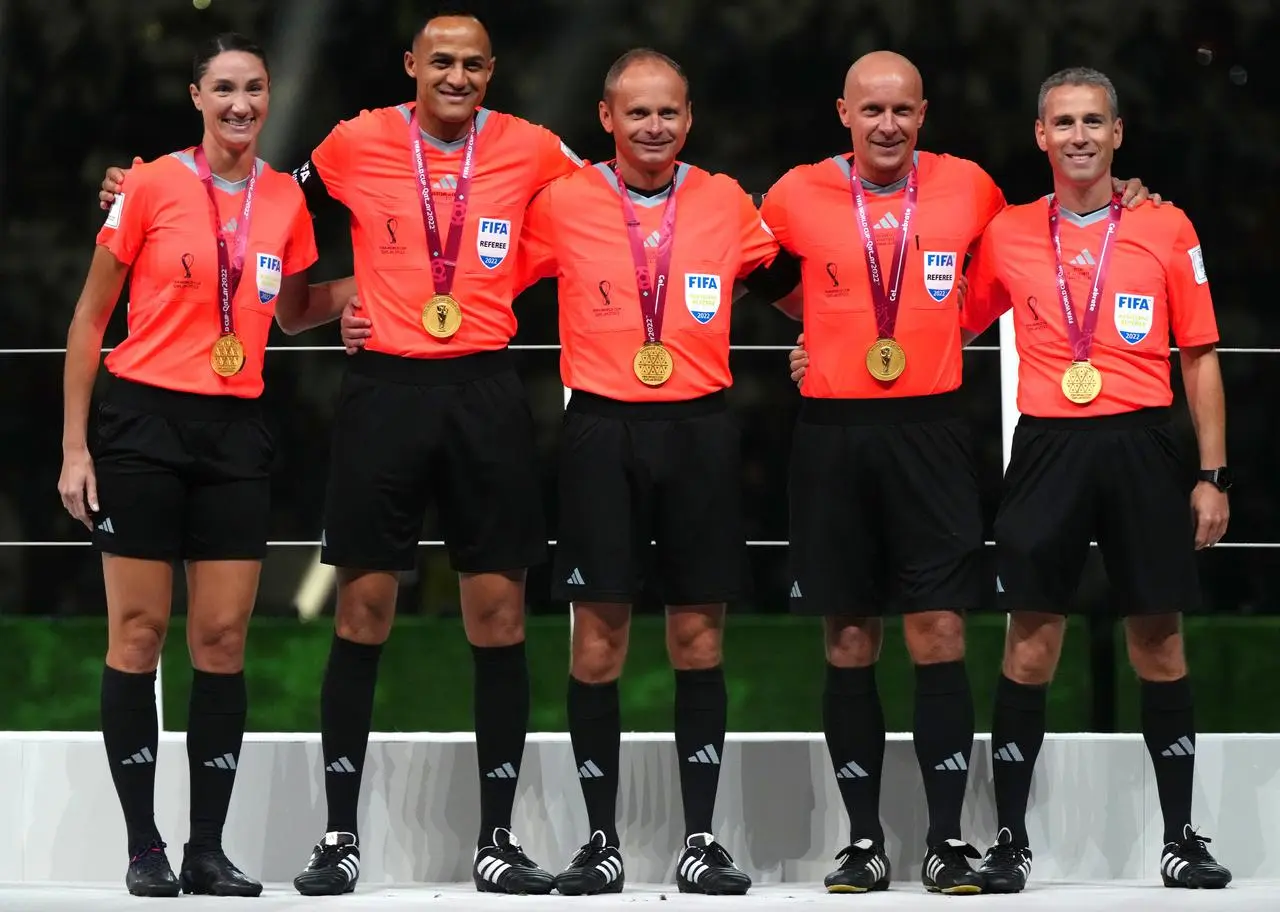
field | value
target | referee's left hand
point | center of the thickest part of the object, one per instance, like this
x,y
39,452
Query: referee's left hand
x,y
78,486
1211,510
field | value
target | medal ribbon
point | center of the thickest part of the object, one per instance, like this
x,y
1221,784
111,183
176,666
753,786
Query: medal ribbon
x,y
1080,332
886,302
653,287
230,263
444,258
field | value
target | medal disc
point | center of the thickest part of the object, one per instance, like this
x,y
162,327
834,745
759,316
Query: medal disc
x,y
886,360
442,316
1081,382
653,364
227,356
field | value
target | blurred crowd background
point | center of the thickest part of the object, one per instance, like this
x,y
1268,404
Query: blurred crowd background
x,y
87,85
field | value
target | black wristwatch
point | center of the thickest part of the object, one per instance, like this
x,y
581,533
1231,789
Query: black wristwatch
x,y
1220,478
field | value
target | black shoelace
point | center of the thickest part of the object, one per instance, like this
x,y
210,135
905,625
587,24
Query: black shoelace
x,y
151,858
854,857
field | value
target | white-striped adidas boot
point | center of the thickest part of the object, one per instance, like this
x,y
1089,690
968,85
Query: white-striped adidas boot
x,y
597,868
1006,867
705,867
1188,864
503,867
333,869
864,867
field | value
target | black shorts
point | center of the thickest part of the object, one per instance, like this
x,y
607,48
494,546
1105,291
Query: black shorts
x,y
457,432
181,476
635,473
885,509
1116,479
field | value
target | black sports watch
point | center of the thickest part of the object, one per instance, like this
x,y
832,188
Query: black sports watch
x,y
1220,478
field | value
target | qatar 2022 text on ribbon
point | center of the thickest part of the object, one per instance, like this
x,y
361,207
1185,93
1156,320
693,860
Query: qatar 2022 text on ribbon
x,y
886,359
227,355
442,315
653,364
1082,381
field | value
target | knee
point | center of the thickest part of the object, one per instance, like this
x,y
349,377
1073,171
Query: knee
x,y
693,647
493,609
934,637
1032,659
217,644
364,617
598,658
853,642
136,642
1155,649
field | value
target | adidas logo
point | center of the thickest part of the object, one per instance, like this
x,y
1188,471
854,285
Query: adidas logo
x,y
106,526
955,763
341,765
1180,748
888,223
795,590
448,182
230,227
589,770
706,755
225,762
575,578
142,756
1009,753
1084,259
851,770
506,771
652,240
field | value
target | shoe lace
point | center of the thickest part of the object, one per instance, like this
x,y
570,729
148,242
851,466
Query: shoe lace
x,y
151,857
717,855
1193,847
513,855
852,856
1004,855
328,852
956,854
588,854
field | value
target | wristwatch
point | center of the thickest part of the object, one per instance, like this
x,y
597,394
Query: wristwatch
x,y
1220,477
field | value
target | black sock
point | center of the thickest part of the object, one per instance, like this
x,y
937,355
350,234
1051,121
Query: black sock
x,y
501,720
131,734
944,741
215,729
1168,727
346,716
702,706
853,720
1017,733
595,728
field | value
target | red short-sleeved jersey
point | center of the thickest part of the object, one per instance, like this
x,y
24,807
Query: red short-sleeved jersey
x,y
811,212
575,230
1155,284
367,165
162,227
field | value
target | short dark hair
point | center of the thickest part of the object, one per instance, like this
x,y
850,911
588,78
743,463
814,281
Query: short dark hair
x,y
220,44
1078,76
639,55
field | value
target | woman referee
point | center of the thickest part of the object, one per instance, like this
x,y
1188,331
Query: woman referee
x,y
216,243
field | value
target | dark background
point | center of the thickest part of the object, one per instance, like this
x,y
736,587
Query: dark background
x,y
84,85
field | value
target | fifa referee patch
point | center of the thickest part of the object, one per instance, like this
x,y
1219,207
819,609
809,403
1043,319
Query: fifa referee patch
x,y
702,295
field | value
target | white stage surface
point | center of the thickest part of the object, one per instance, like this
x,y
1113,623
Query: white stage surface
x,y
1254,896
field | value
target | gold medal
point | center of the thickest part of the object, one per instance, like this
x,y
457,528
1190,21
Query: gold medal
x,y
442,316
1081,382
886,360
653,364
227,355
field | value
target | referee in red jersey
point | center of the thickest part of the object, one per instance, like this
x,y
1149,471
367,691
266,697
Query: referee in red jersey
x,y
885,509
1095,456
432,411
649,254
214,244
